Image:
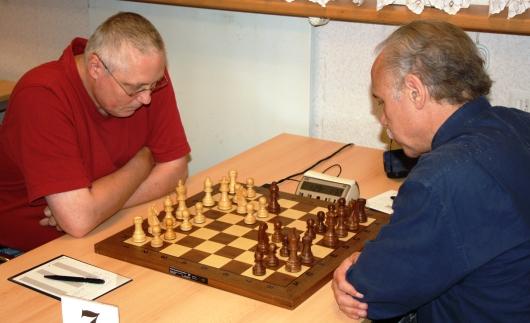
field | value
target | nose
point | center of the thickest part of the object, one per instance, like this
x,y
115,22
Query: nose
x,y
144,97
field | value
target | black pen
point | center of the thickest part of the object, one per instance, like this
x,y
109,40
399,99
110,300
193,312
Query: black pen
x,y
75,279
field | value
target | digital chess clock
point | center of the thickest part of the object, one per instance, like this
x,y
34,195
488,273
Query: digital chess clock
x,y
327,188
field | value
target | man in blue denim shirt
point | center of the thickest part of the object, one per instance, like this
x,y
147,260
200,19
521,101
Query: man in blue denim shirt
x,y
457,248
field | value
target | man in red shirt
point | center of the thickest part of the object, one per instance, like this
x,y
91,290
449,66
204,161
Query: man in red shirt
x,y
89,134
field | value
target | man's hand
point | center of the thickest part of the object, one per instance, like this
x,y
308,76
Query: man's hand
x,y
49,219
343,291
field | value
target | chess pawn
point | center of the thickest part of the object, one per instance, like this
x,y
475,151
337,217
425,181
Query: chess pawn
x,y
259,268
306,256
250,218
274,206
251,193
168,209
293,264
156,242
362,211
186,224
284,250
272,260
139,234
262,211
199,216
277,236
311,228
170,234
233,180
241,204
321,227
208,200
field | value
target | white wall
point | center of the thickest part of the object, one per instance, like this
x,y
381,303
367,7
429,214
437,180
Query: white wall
x,y
239,79
341,105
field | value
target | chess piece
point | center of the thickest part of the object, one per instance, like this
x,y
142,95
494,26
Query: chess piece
x,y
311,228
258,269
224,203
341,230
263,238
208,200
353,224
250,218
274,191
233,180
156,242
181,200
170,234
277,236
199,216
241,203
186,224
284,250
293,264
321,227
306,256
152,219
272,260
362,211
168,210
251,193
262,211
139,234
330,237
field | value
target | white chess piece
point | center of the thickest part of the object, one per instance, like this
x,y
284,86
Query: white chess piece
x,y
251,193
224,203
139,234
186,224
168,209
250,218
208,200
199,217
262,211
233,180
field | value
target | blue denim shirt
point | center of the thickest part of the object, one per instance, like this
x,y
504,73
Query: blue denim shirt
x,y
457,248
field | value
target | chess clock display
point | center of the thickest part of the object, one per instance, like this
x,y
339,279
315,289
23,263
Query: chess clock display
x,y
326,187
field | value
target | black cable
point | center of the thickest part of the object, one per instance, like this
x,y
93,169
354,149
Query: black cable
x,y
330,167
315,164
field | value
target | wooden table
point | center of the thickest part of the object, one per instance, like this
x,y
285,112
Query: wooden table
x,y
6,87
156,297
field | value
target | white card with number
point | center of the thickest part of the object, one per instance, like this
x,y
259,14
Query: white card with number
x,y
77,310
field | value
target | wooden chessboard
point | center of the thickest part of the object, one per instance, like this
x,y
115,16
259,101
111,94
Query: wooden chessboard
x,y
220,251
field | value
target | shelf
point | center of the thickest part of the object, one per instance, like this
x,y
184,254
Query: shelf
x,y
475,18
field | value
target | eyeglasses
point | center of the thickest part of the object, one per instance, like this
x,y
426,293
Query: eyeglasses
x,y
152,88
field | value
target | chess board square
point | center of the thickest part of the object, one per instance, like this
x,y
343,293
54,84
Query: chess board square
x,y
286,203
243,243
195,255
175,250
292,214
230,218
205,223
285,221
213,214
348,236
246,257
191,242
223,238
248,273
237,230
299,225
282,270
252,235
215,261
368,222
320,251
209,246
139,244
204,233
236,267
318,208
306,208
218,226
229,252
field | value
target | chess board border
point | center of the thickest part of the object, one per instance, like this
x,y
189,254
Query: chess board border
x,y
289,296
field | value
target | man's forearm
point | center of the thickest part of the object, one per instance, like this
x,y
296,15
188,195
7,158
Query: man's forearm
x,y
162,179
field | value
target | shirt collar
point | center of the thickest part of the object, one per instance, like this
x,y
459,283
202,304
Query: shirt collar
x,y
458,120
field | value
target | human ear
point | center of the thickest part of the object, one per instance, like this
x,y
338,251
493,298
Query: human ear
x,y
415,90
94,66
